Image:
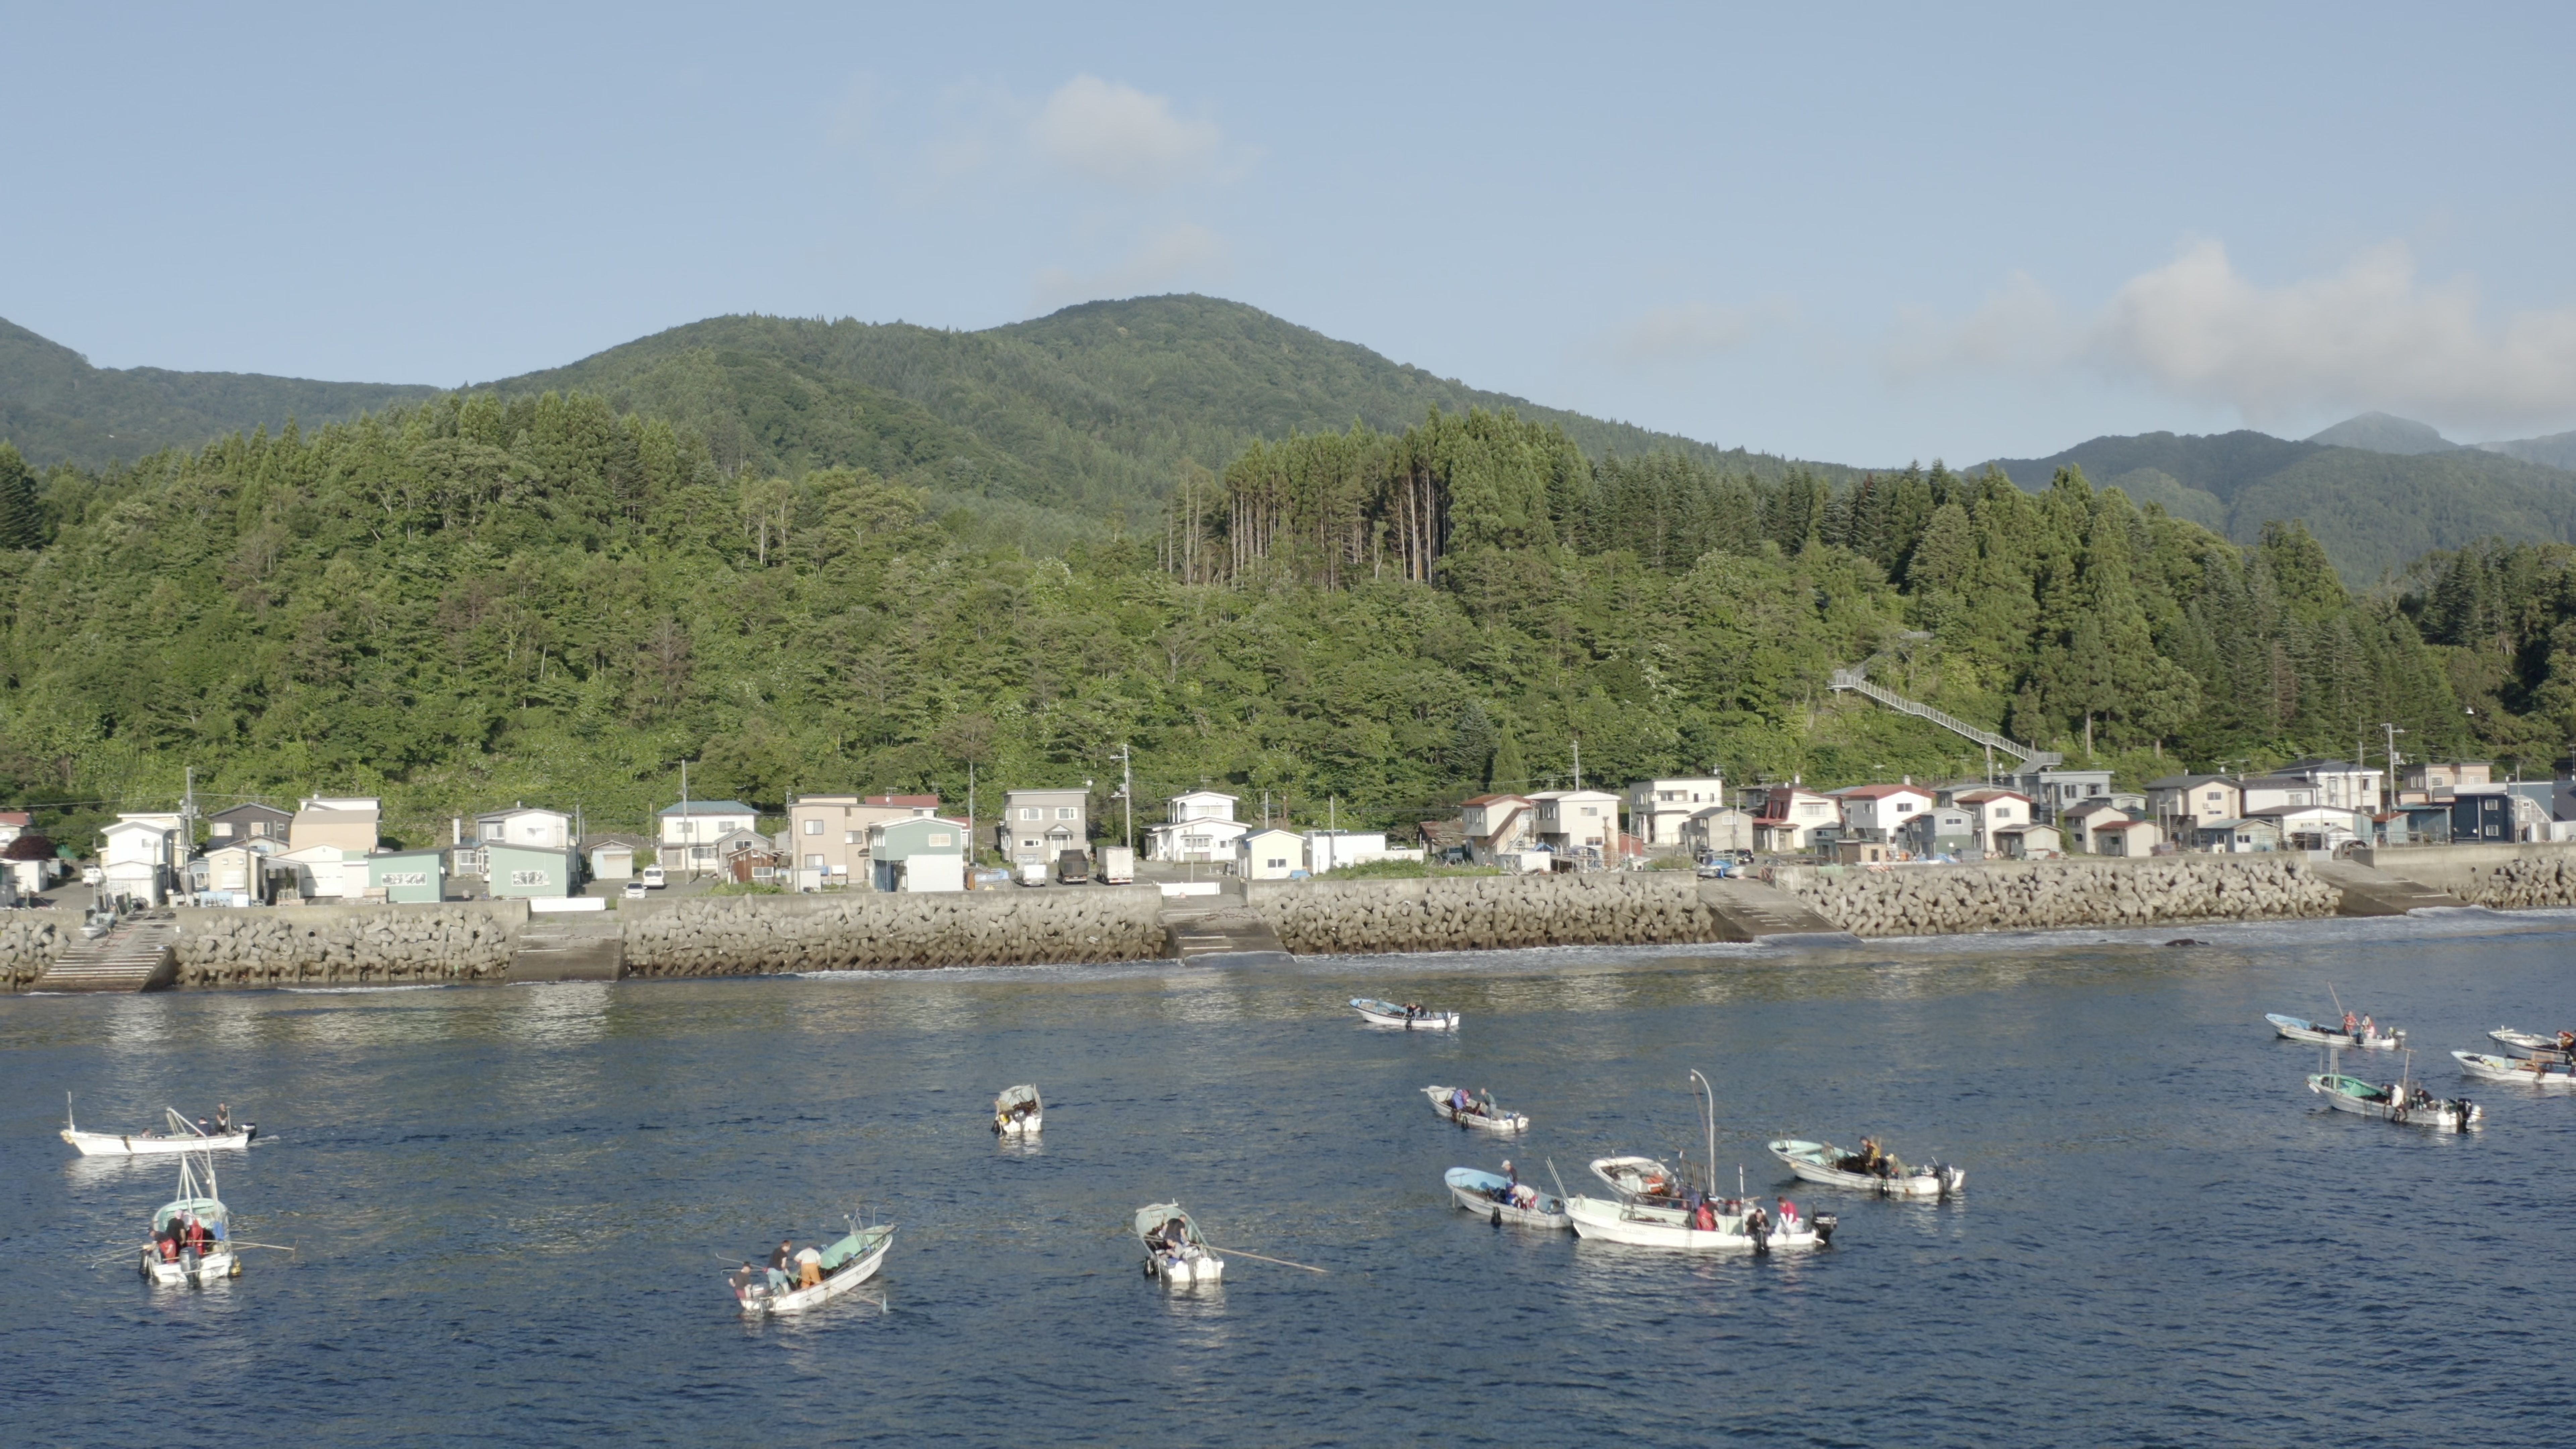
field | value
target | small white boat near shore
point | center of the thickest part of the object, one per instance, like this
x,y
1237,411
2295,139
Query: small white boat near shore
x,y
1502,1200
2299,1028
1719,1225
191,1234
1018,1112
1175,1252
1407,1018
1476,1111
177,1135
1822,1162
2521,1071
843,1266
2402,1102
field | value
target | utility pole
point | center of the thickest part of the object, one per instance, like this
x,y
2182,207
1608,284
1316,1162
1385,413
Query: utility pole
x,y
688,819
970,812
2389,792
1578,762
1127,790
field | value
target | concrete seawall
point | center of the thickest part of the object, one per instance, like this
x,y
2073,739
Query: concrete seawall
x,y
494,941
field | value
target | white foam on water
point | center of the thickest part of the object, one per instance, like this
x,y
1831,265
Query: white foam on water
x,y
358,990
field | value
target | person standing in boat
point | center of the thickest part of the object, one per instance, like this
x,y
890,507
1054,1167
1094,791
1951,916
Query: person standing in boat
x,y
1788,1216
779,1258
2351,1026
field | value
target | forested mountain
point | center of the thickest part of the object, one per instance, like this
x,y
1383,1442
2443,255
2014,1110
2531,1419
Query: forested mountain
x,y
1094,410
2383,433
480,600
2374,511
54,406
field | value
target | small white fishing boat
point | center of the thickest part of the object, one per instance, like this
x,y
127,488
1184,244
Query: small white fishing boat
x,y
2402,1102
1174,1250
1408,1018
178,1135
1503,1200
2548,1046
2299,1028
191,1234
1470,1109
1018,1112
1822,1162
842,1266
2525,1071
1641,1180
1718,1225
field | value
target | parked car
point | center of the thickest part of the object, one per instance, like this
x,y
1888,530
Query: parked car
x,y
635,890
653,877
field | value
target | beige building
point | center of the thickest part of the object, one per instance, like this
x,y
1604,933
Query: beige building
x,y
827,835
1657,809
349,823
1498,826
1996,811
1578,824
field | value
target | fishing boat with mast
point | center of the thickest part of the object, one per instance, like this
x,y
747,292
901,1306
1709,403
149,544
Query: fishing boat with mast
x,y
1407,1017
2363,1037
2548,1047
1658,1207
1175,1250
177,1134
2404,1101
191,1233
846,1264
1018,1112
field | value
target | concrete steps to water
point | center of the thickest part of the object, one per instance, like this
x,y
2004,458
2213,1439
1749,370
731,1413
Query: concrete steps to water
x,y
1220,930
2369,892
587,947
1772,916
136,956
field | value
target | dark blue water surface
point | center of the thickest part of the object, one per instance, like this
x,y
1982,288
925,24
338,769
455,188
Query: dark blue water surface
x,y
512,1205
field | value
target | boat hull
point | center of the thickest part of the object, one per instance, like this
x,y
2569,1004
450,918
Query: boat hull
x,y
1610,1222
1198,1266
207,1271
850,1275
2521,1071
1380,1013
2546,1048
1813,1162
1028,1126
111,1144
2439,1115
2290,1028
1499,1122
1473,1190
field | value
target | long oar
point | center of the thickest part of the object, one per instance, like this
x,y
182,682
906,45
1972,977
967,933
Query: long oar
x,y
1282,1262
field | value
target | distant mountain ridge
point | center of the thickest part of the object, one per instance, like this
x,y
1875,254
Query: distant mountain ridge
x,y
2374,510
2384,433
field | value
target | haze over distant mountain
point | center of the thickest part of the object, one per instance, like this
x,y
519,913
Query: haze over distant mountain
x,y
2558,450
2382,433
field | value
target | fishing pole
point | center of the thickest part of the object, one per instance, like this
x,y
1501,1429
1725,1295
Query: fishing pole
x,y
1282,1262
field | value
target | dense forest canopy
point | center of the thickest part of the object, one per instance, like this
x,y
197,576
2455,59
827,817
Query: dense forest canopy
x,y
483,599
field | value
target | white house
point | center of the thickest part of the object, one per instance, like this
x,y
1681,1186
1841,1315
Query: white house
x,y
525,825
691,828
1790,816
2341,784
139,856
2314,827
1332,849
323,872
1657,809
1995,811
1877,812
1575,824
349,822
1199,805
1270,854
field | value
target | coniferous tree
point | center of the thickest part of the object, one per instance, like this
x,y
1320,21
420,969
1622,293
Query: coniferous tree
x,y
22,516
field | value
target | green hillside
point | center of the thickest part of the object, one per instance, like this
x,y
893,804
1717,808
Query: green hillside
x,y
1091,411
2374,511
57,408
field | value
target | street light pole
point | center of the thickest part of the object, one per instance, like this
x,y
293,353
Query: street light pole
x,y
1127,790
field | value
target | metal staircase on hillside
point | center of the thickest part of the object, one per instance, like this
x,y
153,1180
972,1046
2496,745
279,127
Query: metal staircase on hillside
x,y
1856,680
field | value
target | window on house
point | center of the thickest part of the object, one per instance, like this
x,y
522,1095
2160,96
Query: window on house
x,y
849,837
1277,864
1067,812
941,839
1903,806
1028,845
813,862
223,830
813,827
1589,811
1032,813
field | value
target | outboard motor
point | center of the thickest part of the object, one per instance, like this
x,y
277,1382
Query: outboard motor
x,y
1824,1224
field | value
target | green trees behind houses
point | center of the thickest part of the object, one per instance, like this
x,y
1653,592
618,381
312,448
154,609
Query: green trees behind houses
x,y
477,600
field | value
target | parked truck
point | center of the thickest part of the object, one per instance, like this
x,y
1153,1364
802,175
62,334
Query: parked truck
x,y
1072,867
1117,865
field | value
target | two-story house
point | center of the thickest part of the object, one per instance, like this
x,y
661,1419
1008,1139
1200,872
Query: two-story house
x,y
1581,825
140,855
1039,825
1789,816
1658,808
692,828
2341,784
346,823
1995,810
525,825
1197,825
2181,804
1878,812
261,827
1500,828
2423,782
827,835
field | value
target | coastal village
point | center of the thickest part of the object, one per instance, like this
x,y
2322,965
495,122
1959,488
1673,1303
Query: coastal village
x,y
333,849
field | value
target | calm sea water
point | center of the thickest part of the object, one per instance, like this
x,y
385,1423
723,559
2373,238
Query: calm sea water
x,y
513,1207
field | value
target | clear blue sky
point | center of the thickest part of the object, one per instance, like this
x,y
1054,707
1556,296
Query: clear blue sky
x,y
1848,233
